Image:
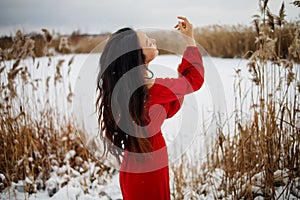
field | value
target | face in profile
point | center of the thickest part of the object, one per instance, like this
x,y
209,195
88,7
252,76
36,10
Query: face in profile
x,y
148,46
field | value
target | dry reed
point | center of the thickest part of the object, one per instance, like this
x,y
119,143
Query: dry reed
x,y
36,137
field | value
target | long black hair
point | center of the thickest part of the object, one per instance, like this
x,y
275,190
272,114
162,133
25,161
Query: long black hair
x,y
121,79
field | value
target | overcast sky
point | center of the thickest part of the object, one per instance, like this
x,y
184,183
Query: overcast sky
x,y
96,16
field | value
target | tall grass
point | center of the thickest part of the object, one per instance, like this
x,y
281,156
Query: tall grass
x,y
37,137
226,41
266,139
238,41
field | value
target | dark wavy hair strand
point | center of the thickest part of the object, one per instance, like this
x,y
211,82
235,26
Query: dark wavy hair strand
x,y
121,54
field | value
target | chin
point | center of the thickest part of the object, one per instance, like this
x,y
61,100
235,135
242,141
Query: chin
x,y
151,54
151,58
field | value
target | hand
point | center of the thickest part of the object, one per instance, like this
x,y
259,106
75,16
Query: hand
x,y
186,29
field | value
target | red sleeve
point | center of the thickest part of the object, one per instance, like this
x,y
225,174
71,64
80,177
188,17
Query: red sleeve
x,y
191,78
173,107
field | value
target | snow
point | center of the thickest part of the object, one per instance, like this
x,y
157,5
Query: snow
x,y
70,155
72,191
214,97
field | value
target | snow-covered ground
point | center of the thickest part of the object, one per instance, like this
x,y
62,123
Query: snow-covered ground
x,y
216,96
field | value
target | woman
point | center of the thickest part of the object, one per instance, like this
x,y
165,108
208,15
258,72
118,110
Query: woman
x,y
132,107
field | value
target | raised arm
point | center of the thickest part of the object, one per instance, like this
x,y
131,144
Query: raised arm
x,y
191,70
191,78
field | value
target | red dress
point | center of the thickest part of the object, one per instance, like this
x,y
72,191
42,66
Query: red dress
x,y
148,178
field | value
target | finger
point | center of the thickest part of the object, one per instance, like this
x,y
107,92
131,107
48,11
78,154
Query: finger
x,y
177,27
184,19
181,26
181,17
